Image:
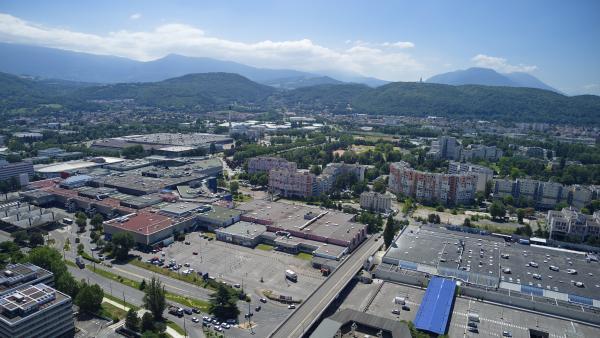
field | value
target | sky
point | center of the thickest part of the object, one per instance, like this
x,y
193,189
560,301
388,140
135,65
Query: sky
x,y
556,41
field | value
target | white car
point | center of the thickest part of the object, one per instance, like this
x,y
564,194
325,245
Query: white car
x,y
533,264
291,306
195,320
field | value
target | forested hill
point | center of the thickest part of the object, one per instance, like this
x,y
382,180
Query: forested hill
x,y
199,91
475,101
207,91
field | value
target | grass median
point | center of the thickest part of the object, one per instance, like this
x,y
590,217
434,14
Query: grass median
x,y
187,301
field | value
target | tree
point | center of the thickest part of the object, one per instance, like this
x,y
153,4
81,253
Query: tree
x,y
467,222
379,186
81,221
122,242
89,298
316,169
142,285
147,323
389,231
10,253
20,237
132,321
154,298
520,215
212,148
223,304
234,186
497,210
97,221
36,239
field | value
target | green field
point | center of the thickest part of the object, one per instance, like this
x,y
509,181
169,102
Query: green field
x,y
111,311
264,247
304,256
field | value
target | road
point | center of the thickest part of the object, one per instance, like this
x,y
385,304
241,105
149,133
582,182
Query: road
x,y
313,306
132,296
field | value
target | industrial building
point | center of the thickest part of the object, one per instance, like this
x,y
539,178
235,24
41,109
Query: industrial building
x,y
17,216
352,323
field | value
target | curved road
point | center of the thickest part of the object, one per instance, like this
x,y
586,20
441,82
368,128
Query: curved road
x,y
307,313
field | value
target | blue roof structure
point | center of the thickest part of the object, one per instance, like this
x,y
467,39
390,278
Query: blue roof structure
x,y
436,306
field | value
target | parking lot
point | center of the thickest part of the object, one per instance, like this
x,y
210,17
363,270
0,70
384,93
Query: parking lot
x,y
493,319
244,266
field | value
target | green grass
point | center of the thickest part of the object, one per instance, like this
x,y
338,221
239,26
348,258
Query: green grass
x,y
69,263
191,302
304,256
191,278
120,301
111,311
265,247
116,278
176,327
87,256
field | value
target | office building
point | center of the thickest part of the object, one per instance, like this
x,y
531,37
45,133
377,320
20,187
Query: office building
x,y
36,311
18,170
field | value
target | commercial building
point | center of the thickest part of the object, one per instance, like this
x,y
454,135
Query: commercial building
x,y
304,223
352,323
36,311
449,189
24,216
242,233
484,174
22,171
541,278
265,164
375,201
572,224
435,309
163,142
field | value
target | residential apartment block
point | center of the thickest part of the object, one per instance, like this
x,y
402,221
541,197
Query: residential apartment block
x,y
450,189
376,201
266,163
445,148
292,183
545,195
479,151
570,223
484,174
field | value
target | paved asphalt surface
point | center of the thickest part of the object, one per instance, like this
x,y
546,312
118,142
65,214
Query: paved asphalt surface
x,y
313,306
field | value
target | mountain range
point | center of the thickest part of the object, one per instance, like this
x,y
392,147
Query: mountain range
x,y
215,91
52,63
489,77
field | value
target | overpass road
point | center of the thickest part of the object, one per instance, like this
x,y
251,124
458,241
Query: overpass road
x,y
310,310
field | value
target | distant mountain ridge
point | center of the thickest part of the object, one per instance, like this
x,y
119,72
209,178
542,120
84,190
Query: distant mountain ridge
x,y
52,63
215,91
489,77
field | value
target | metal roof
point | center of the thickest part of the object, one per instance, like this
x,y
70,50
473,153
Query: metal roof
x,y
435,309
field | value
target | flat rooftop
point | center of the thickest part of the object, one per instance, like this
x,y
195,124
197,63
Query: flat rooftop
x,y
14,275
309,220
181,208
485,259
28,301
176,139
143,222
246,229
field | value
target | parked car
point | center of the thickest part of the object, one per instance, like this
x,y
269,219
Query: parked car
x,y
291,306
195,310
263,300
257,308
195,320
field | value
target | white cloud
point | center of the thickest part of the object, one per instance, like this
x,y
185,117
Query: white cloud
x,y
135,16
399,44
362,58
500,64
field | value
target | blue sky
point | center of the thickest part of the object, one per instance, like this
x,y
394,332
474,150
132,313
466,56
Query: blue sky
x,y
557,41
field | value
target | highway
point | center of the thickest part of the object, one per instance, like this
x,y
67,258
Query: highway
x,y
315,304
